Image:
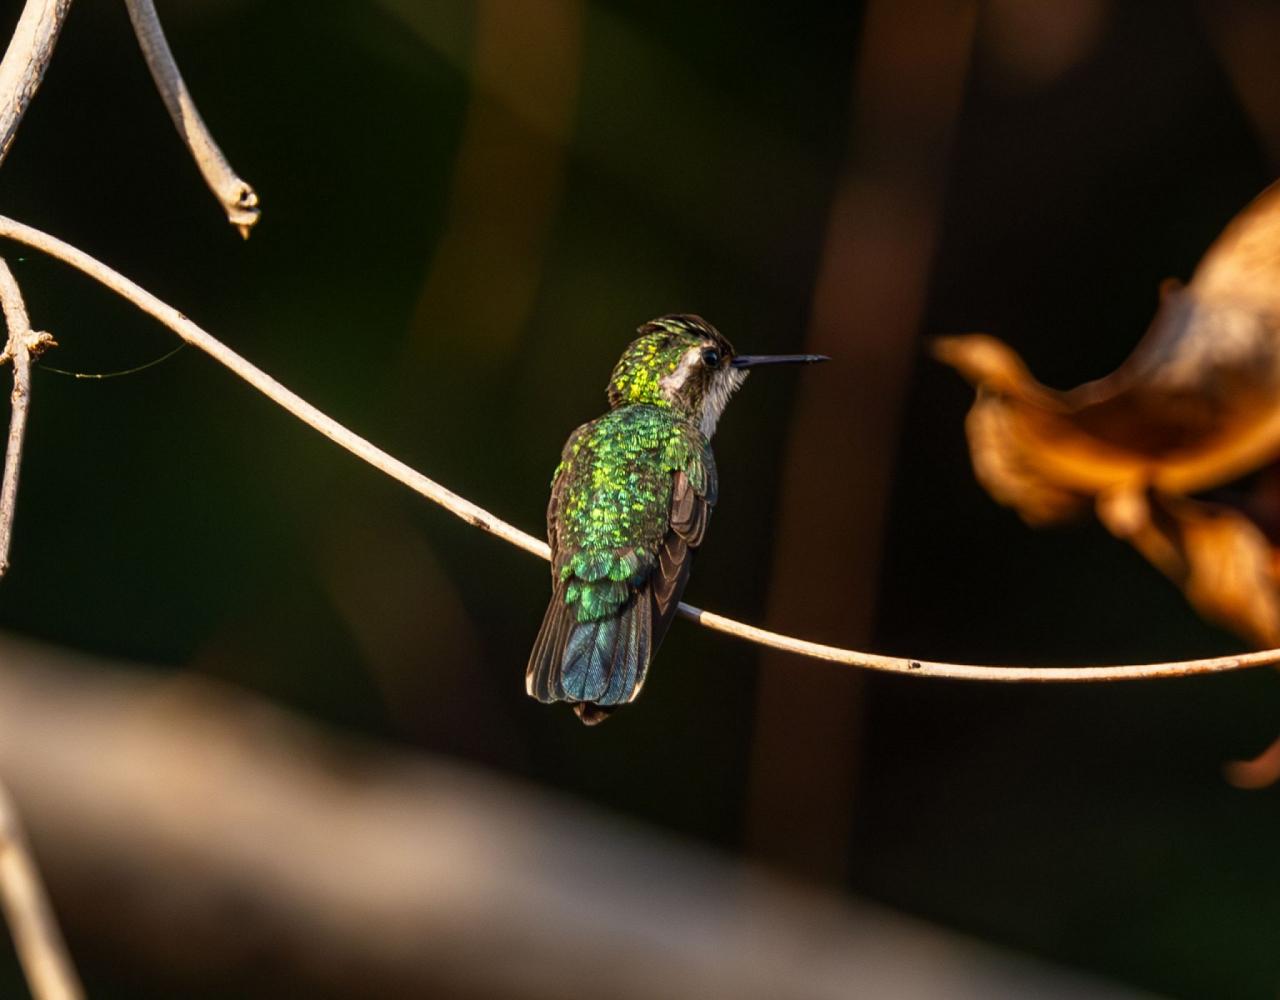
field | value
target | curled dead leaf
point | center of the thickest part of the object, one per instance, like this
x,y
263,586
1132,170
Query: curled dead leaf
x,y
1194,408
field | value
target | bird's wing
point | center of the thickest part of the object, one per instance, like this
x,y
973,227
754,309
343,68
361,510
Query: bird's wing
x,y
694,490
559,484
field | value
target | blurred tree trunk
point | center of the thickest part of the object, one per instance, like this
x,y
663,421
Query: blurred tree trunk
x,y
867,303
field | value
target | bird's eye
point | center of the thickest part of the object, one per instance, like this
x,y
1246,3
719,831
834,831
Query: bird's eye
x,y
711,357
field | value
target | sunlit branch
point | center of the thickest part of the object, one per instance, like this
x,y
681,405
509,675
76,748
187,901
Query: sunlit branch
x,y
25,61
237,197
481,518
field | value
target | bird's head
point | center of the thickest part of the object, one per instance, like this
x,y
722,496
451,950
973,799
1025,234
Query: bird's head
x,y
685,363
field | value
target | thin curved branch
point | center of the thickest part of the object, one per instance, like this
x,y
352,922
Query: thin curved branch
x,y
481,518
24,63
269,387
172,786
236,195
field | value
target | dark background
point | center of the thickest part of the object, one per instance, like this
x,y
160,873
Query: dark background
x,y
175,518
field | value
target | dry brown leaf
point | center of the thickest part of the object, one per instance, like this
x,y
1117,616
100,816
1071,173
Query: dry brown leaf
x,y
1195,406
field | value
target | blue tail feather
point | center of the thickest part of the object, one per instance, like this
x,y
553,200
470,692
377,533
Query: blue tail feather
x,y
588,658
597,663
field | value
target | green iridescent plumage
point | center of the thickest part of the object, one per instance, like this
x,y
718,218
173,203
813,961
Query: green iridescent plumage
x,y
613,491
630,501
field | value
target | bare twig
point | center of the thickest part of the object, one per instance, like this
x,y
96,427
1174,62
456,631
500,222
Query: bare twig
x,y
22,344
237,197
481,518
36,937
25,61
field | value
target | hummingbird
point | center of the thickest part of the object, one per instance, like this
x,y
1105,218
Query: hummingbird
x,y
630,502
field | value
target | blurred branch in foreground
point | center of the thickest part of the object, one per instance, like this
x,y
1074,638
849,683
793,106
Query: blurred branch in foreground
x,y
234,836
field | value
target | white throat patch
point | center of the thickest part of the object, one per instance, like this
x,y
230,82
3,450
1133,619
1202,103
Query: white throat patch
x,y
724,384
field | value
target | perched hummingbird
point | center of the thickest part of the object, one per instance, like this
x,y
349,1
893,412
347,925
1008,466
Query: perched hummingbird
x,y
630,501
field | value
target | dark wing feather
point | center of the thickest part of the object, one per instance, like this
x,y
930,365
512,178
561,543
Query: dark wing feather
x,y
690,514
631,652
542,677
557,494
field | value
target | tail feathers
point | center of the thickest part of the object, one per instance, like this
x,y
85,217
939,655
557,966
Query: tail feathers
x,y
596,664
542,678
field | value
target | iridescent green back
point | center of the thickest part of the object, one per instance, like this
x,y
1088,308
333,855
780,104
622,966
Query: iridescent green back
x,y
611,501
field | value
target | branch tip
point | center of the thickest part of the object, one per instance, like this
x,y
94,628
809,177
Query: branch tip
x,y
237,197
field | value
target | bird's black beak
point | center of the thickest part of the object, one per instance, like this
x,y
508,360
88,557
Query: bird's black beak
x,y
752,360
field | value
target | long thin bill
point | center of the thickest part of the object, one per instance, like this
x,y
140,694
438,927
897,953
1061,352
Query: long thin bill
x,y
752,360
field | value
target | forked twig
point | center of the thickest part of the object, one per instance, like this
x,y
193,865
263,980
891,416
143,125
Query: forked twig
x,y
36,937
481,518
236,195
